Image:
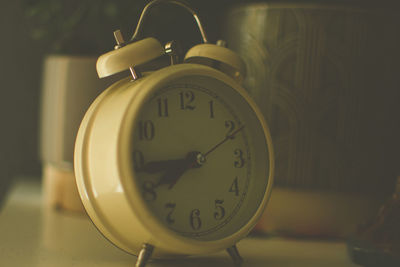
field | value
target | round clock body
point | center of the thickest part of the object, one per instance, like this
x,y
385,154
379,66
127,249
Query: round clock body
x,y
180,159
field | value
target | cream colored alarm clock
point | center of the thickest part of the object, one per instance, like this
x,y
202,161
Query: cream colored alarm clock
x,y
178,161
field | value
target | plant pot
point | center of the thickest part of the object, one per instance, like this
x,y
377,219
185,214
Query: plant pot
x,y
70,84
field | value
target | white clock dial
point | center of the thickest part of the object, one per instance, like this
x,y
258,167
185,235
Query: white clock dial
x,y
200,158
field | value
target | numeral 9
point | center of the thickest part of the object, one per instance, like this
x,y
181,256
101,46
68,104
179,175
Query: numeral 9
x,y
138,160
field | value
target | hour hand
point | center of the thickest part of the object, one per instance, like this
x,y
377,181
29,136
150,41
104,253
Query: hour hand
x,y
161,165
172,175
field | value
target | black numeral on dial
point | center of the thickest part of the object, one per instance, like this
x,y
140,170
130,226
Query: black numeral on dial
x,y
220,211
148,191
195,221
234,188
146,130
170,207
186,99
239,162
138,160
230,125
211,104
162,105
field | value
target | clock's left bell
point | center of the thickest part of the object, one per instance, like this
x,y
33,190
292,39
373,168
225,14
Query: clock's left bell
x,y
128,55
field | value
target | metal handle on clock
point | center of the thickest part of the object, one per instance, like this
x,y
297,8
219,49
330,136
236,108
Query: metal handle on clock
x,y
127,55
153,3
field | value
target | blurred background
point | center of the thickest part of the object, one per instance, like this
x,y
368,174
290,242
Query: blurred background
x,y
339,59
325,74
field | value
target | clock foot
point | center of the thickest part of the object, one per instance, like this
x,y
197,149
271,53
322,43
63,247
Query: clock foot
x,y
234,253
144,255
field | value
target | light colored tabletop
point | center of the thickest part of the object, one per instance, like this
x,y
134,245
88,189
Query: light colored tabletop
x,y
31,235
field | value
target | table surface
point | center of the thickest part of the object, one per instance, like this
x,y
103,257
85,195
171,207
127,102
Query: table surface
x,y
31,235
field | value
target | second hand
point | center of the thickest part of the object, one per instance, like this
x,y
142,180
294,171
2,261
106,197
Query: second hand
x,y
227,137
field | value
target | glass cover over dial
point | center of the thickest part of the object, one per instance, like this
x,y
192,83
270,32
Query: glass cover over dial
x,y
200,157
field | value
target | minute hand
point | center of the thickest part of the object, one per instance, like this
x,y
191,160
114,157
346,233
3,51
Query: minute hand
x,y
227,137
192,160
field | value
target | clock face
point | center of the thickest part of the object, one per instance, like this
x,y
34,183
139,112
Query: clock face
x,y
200,158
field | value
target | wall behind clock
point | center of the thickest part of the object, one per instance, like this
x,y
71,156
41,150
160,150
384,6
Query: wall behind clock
x,y
20,79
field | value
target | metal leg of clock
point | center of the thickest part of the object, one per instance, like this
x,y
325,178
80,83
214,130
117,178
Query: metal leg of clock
x,y
144,255
234,253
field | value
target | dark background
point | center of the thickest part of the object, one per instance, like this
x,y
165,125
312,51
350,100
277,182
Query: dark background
x,y
32,29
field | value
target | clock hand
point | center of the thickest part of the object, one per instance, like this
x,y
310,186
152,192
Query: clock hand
x,y
173,174
227,137
175,171
161,165
197,159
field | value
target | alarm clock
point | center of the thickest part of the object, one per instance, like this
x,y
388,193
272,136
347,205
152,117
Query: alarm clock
x,y
177,161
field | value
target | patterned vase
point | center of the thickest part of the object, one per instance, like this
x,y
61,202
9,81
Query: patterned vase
x,y
324,77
